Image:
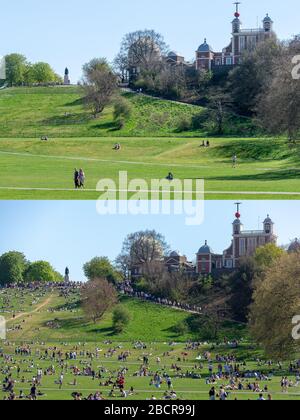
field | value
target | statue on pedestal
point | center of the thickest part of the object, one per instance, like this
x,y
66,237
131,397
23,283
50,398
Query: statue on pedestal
x,y
66,77
67,275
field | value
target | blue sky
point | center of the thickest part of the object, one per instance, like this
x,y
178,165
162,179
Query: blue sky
x,y
71,233
70,33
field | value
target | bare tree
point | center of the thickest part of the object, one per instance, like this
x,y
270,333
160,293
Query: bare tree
x,y
141,50
172,82
219,105
174,285
123,265
97,297
279,104
144,247
100,84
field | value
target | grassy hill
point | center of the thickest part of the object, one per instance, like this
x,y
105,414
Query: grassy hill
x,y
60,112
47,322
62,318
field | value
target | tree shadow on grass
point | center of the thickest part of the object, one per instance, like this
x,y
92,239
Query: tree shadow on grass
x,y
255,150
109,125
77,102
68,119
279,175
71,323
108,332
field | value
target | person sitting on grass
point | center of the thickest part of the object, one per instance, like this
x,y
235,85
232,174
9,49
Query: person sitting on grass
x,y
170,177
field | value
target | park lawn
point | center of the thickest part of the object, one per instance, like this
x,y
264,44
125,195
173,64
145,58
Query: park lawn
x,y
186,388
151,143
150,323
44,170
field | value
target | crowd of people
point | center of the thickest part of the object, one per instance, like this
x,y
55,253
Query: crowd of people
x,y
26,370
128,290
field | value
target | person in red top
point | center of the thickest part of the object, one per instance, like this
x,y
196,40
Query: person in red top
x,y
121,383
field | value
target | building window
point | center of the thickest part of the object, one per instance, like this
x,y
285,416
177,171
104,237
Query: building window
x,y
228,61
251,42
262,241
228,264
242,43
252,245
242,247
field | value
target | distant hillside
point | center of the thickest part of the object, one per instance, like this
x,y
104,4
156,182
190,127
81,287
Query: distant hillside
x,y
60,316
60,112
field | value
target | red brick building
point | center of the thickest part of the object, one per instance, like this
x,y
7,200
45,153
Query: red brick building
x,y
244,243
242,40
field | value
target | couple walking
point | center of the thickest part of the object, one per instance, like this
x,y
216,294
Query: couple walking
x,y
79,178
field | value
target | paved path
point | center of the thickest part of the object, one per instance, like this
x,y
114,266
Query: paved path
x,y
268,193
37,309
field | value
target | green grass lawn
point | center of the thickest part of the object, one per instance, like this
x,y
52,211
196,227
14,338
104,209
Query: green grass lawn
x,y
39,170
151,147
60,324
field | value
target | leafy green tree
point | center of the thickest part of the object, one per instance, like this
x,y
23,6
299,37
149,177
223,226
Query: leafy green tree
x,y
42,73
275,308
12,267
267,255
28,76
100,267
40,271
121,318
15,69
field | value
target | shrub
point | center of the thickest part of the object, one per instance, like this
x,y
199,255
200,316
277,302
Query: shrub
x,y
122,109
199,120
120,123
184,124
121,318
181,328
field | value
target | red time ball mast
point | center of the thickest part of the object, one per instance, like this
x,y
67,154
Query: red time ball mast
x,y
238,214
237,13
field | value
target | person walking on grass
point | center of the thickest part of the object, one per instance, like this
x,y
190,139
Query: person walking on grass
x,y
212,394
61,381
234,161
33,392
76,178
81,177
